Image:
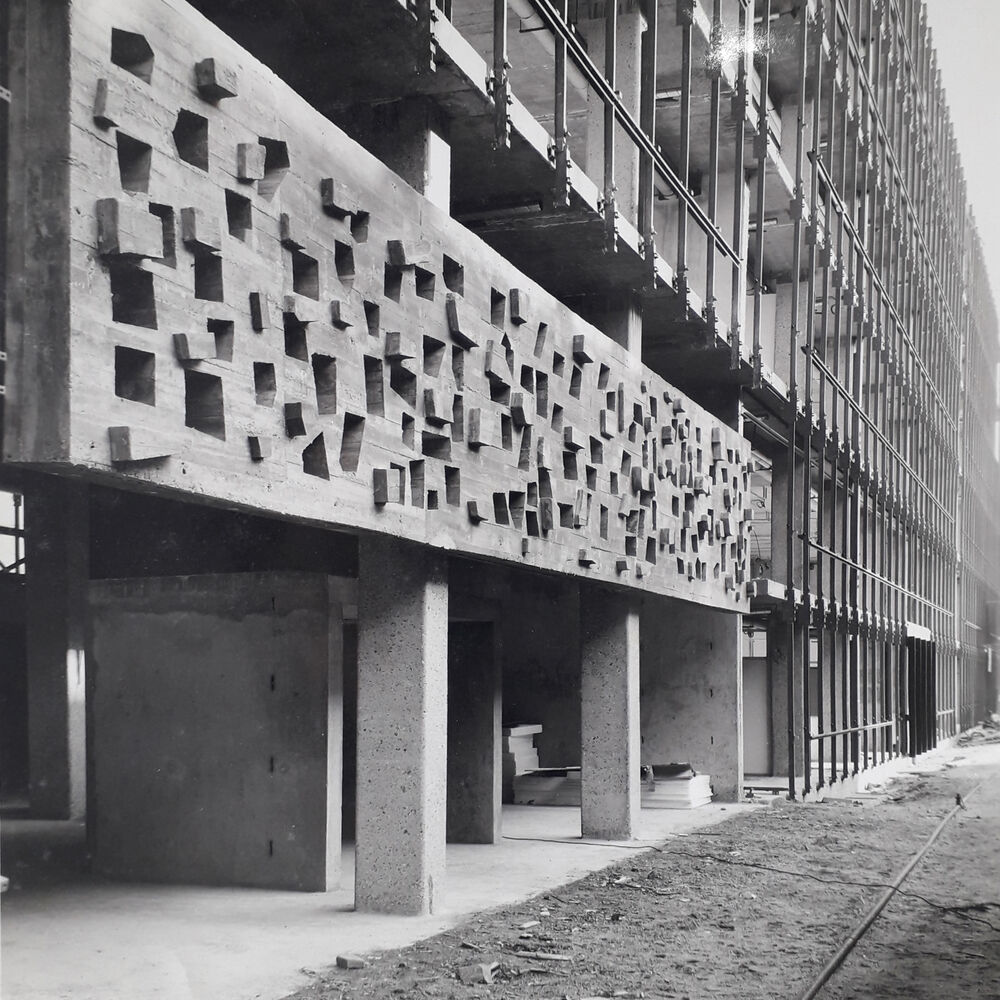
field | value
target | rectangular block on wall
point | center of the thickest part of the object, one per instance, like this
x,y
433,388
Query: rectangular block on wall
x,y
216,722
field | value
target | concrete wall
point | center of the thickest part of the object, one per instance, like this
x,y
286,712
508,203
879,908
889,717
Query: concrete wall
x,y
541,667
691,691
215,721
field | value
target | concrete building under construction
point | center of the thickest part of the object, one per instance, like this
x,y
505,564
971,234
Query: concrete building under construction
x,y
382,373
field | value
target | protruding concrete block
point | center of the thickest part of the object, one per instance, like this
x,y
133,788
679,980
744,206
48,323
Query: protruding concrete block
x,y
338,200
407,253
260,313
402,726
250,158
214,81
518,306
124,230
458,326
194,346
131,444
199,231
107,104
609,713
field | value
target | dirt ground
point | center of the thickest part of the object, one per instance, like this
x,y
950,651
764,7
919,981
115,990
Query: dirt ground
x,y
752,908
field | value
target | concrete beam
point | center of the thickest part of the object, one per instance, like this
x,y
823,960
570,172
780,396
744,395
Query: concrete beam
x,y
402,727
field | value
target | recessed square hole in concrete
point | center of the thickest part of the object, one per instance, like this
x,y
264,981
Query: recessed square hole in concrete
x,y
498,308
392,285
452,486
417,483
454,276
359,227
208,277
305,274
134,160
135,375
191,138
239,214
132,53
314,462
403,383
434,446
265,384
276,165
166,216
224,331
433,356
325,379
132,298
295,337
204,409
374,387
424,283
343,259
372,314
350,445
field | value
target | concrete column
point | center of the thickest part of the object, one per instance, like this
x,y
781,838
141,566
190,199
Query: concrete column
x,y
610,714
411,137
783,505
475,703
630,27
402,726
784,646
692,691
58,566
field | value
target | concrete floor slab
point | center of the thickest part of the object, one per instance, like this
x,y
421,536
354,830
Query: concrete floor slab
x,y
66,934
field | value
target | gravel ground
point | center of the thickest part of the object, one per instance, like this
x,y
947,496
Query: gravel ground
x,y
752,908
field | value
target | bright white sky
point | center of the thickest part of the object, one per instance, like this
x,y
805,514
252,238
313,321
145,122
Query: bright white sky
x,y
965,34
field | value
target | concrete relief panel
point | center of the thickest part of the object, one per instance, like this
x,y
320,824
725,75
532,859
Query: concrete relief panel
x,y
263,314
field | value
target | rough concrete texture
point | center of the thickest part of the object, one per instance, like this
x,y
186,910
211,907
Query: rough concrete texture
x,y
474,721
57,551
216,707
692,703
609,714
402,726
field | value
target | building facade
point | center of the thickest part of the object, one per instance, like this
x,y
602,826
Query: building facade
x,y
379,374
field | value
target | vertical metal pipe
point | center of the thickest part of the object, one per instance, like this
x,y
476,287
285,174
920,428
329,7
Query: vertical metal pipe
x,y
562,186
760,150
501,79
647,121
610,74
685,20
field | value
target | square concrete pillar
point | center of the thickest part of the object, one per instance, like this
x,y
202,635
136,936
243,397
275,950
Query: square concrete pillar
x,y
475,705
786,503
402,726
57,557
784,654
692,691
412,138
628,37
609,696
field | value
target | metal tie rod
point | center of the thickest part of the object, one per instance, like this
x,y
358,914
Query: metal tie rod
x,y
848,946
